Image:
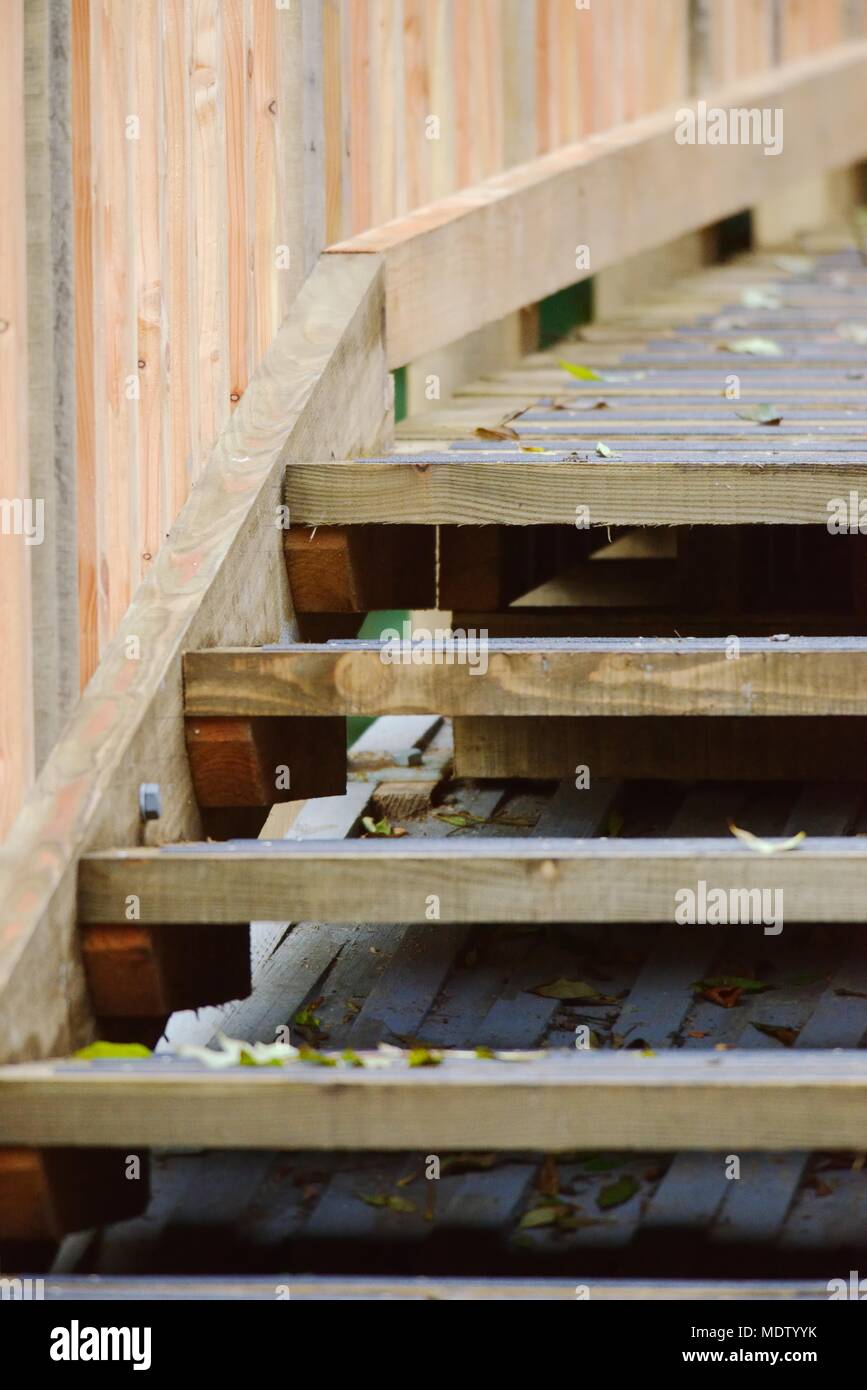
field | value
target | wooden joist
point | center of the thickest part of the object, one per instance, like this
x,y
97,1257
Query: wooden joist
x,y
573,676
47,1192
550,1104
479,254
724,749
468,880
261,762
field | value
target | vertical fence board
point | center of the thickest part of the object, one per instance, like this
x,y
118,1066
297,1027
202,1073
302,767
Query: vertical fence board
x,y
16,721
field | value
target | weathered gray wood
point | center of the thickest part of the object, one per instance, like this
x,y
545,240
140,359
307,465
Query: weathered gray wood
x,y
556,1103
504,880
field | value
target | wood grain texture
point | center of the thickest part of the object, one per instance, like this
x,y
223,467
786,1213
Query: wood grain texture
x,y
129,726
554,1104
572,676
726,749
462,262
498,880
16,690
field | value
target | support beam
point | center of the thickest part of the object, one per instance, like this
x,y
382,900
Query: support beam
x,y
573,676
478,880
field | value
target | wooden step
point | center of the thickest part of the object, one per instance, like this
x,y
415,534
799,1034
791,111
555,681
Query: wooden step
x,y
793,676
721,484
547,1103
467,880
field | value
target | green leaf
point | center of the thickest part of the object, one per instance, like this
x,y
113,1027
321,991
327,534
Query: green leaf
x,y
486,1053
424,1057
351,1058
376,827
306,1018
461,820
603,1163
389,1200
617,1192
540,1216
604,452
576,370
127,1052
732,982
319,1059
762,414
753,347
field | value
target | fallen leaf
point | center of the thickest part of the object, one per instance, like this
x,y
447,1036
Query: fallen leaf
x,y
351,1058
760,298
741,982
566,989
487,1054
126,1052
696,1034
617,1192
753,347
539,1216
853,332
388,1200
470,1162
377,827
532,449
497,432
576,370
795,265
318,1059
766,846
762,414
234,1052
820,1187
424,1057
844,993
604,452
726,998
787,1036
461,820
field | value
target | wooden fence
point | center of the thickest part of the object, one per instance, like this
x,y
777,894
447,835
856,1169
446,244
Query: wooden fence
x,y
170,171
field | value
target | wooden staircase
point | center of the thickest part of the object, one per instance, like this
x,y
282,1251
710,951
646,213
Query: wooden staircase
x,y
732,646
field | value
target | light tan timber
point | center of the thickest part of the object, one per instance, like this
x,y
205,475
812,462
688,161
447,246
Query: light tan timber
x,y
572,676
519,491
550,1104
479,254
484,880
221,575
